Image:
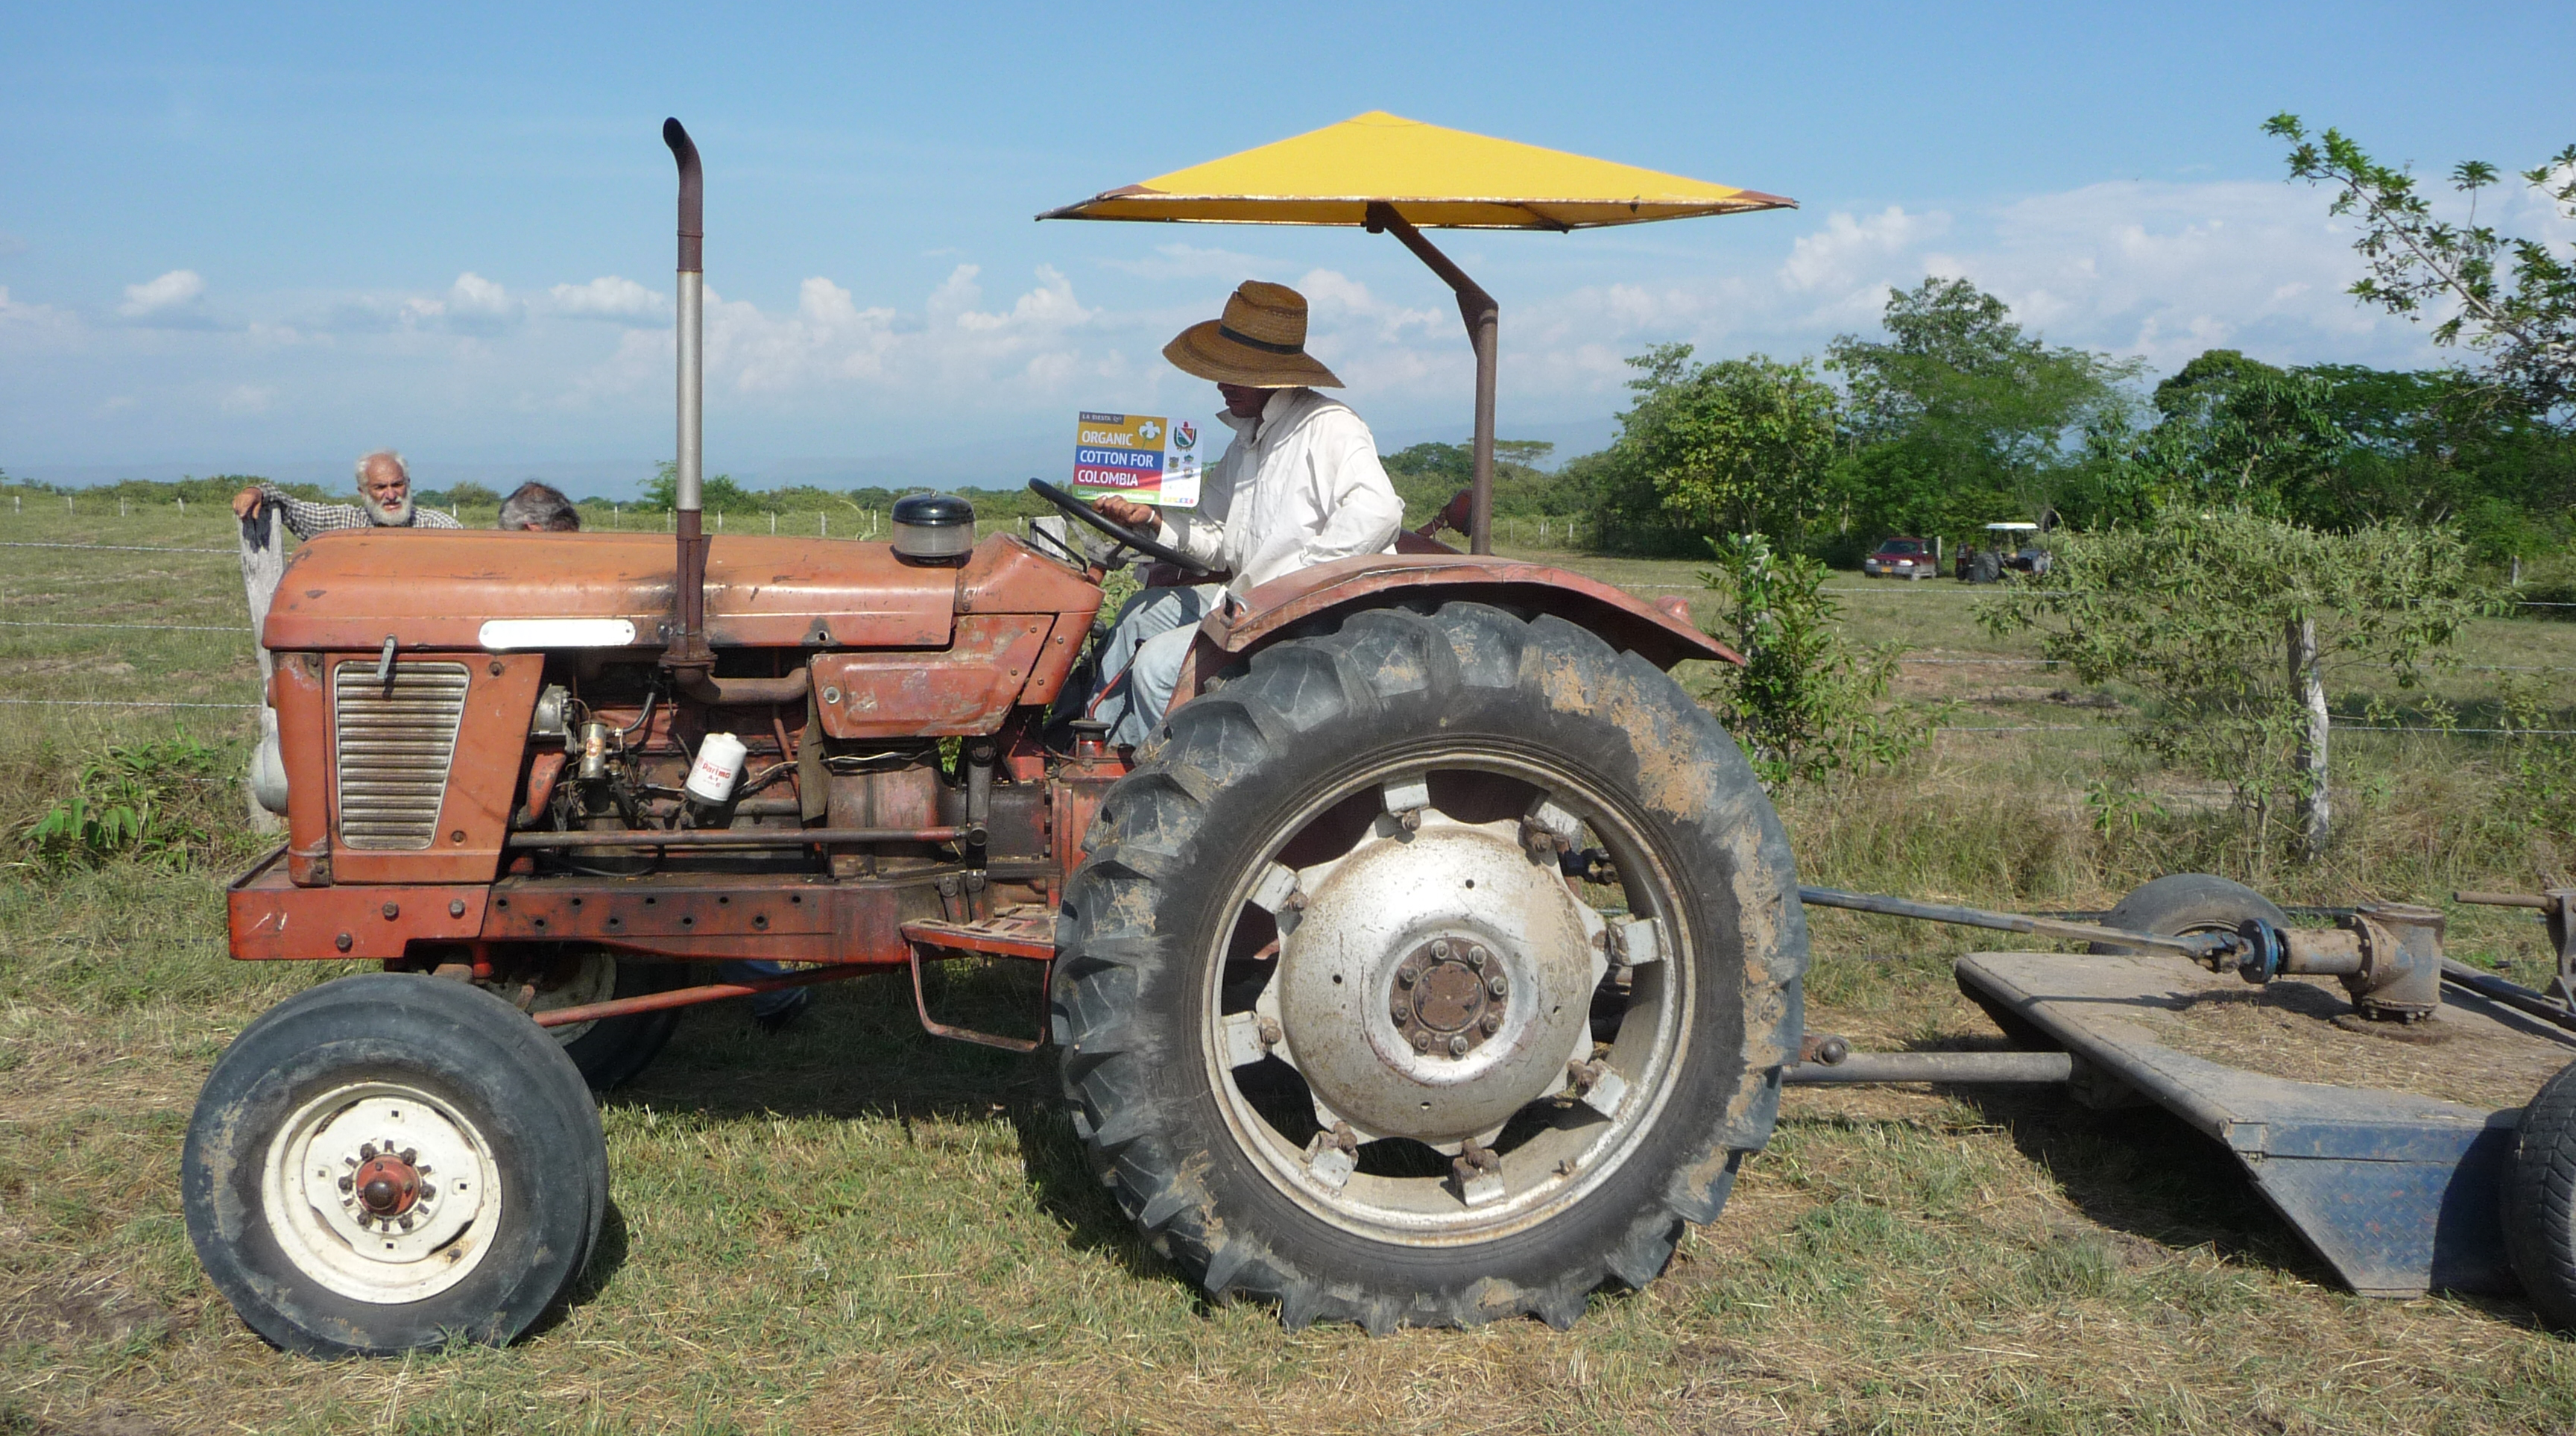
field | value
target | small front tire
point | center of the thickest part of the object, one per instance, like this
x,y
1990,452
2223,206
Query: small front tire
x,y
387,1162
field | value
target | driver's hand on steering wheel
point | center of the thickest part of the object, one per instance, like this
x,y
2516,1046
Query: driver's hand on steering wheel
x,y
1127,513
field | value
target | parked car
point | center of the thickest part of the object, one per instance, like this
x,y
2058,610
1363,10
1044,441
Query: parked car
x,y
1909,558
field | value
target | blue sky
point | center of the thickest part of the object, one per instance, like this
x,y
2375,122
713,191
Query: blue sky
x,y
264,239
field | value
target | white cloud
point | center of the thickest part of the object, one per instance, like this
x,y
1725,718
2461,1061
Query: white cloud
x,y
610,297
2159,271
472,305
1188,261
952,348
1850,251
248,399
172,291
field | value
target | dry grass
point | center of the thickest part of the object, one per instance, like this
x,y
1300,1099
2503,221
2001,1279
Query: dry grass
x,y
853,1227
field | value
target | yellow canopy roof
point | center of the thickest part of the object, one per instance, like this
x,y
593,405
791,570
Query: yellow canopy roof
x,y
1435,178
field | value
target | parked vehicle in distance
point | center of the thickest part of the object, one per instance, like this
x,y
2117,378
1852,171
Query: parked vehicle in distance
x,y
1908,558
2008,548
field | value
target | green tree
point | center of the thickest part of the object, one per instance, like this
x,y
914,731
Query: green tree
x,y
1732,447
1427,476
1959,418
2239,432
2515,296
2234,622
464,494
717,493
1804,704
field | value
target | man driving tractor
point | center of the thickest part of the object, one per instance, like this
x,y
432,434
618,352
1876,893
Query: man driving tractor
x,y
1299,485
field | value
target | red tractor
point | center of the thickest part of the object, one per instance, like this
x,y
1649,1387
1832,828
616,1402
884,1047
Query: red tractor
x,y
1435,961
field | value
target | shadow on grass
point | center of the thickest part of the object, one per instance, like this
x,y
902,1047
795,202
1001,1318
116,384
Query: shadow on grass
x,y
859,1052
2142,1171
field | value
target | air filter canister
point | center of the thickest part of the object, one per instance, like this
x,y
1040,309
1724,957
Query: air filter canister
x,y
933,527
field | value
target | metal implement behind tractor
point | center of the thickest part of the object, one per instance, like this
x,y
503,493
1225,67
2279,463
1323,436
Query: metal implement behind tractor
x,y
2400,1193
1434,962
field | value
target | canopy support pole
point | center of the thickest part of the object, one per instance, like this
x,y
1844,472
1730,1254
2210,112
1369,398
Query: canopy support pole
x,y
1480,312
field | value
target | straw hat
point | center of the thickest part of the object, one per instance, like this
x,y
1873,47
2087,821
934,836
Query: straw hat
x,y
1260,343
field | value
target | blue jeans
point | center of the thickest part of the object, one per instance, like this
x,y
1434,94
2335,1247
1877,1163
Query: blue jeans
x,y
773,1002
1142,659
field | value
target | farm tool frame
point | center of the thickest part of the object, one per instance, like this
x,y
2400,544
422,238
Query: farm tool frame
x,y
2399,1194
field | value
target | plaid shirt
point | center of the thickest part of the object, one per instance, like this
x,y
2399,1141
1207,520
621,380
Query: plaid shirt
x,y
304,518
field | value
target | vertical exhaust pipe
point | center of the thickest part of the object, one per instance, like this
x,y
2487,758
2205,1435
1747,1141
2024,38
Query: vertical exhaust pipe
x,y
688,654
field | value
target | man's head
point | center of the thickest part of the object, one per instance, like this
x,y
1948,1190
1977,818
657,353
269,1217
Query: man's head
x,y
539,508
1259,345
385,484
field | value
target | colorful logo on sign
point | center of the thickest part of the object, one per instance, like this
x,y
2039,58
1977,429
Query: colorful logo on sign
x,y
1123,456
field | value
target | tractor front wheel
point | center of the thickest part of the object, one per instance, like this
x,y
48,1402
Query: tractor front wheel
x,y
1430,970
386,1162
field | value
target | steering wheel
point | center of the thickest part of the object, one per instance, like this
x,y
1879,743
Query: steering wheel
x,y
1076,509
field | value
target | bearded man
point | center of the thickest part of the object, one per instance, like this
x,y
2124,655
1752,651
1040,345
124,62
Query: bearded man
x,y
384,494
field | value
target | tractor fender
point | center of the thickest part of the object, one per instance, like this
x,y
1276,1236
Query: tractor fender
x,y
1661,633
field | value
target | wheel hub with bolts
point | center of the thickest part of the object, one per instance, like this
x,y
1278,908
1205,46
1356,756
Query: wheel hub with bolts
x,y
1449,996
387,1188
1434,979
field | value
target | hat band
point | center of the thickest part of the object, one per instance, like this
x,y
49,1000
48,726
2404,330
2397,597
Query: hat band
x,y
1264,345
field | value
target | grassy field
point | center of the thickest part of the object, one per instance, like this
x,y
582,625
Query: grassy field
x,y
852,1226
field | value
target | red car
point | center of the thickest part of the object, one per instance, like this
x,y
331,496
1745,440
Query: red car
x,y
1901,558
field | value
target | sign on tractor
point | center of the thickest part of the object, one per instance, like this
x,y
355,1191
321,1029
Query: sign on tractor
x,y
1144,458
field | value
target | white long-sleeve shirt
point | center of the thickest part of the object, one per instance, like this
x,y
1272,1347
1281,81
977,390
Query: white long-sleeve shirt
x,y
1300,485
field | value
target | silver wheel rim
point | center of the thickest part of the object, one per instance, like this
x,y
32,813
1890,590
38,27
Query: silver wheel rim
x,y
1528,1115
318,1211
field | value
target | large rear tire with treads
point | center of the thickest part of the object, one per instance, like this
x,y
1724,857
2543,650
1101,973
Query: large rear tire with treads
x,y
1432,968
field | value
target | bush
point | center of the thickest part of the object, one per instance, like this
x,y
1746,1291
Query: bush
x,y
2233,622
153,800
1804,704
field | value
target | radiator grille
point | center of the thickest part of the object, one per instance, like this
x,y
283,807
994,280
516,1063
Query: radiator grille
x,y
396,741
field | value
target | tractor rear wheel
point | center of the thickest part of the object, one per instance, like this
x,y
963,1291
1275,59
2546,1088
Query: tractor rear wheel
x,y
385,1162
1432,969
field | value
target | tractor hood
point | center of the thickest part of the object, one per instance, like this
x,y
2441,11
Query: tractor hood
x,y
433,589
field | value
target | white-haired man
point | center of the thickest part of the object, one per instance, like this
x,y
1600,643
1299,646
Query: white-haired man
x,y
1300,485
384,501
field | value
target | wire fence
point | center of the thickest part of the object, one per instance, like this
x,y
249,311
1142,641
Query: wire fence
x,y
1995,661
